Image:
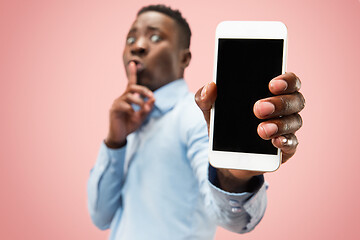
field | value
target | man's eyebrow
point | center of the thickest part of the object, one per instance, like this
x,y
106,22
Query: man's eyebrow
x,y
132,30
153,28
148,28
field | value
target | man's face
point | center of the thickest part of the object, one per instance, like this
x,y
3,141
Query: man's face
x,y
153,44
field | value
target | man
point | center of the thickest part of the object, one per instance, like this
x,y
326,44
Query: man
x,y
152,179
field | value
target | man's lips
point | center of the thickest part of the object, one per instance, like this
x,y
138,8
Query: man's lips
x,y
139,65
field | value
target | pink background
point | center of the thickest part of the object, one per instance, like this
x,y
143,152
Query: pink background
x,y
61,68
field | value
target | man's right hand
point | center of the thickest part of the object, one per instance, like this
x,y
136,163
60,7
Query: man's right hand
x,y
123,118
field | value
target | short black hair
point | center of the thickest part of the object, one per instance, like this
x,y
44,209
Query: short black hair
x,y
185,32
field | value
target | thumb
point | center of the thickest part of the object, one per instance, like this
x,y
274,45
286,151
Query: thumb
x,y
205,97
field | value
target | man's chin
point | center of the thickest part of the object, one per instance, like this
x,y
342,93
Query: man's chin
x,y
144,82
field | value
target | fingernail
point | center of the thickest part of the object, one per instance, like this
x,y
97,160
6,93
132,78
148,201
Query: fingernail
x,y
204,91
278,85
269,129
265,108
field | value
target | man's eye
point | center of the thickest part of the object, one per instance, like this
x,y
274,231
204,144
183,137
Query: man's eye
x,y
130,40
155,38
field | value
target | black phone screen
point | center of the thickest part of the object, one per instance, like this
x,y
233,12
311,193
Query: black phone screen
x,y
244,70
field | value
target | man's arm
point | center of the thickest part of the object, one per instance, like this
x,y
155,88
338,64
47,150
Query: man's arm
x,y
238,211
107,176
104,185
239,197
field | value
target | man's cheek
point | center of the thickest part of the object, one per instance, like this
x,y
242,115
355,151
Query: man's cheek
x,y
165,61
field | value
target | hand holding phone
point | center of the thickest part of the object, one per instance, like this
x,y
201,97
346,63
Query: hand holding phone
x,y
288,102
247,56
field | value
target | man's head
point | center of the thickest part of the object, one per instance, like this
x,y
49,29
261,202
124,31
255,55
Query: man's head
x,y
182,24
158,42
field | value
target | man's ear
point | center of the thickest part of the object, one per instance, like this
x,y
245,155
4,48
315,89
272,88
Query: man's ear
x,y
185,57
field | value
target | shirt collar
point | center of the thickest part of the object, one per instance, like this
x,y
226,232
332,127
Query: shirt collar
x,y
167,96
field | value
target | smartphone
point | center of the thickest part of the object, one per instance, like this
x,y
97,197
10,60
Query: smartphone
x,y
248,54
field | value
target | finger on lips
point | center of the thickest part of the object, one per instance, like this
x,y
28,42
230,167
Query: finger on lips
x,y
132,83
132,73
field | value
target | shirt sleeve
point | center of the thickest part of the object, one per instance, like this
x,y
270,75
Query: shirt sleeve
x,y
237,212
104,185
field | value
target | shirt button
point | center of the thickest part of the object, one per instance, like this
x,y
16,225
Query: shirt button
x,y
236,209
234,203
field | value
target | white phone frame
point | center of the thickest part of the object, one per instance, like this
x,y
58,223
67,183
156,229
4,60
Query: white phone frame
x,y
246,30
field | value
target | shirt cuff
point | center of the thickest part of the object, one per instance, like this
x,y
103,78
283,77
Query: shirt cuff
x,y
111,158
233,202
255,206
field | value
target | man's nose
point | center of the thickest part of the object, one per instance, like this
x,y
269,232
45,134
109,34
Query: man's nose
x,y
140,47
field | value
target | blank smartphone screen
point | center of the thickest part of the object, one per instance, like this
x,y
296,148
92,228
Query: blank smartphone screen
x,y
244,70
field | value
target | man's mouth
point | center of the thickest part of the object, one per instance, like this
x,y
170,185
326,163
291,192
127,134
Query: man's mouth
x,y
139,66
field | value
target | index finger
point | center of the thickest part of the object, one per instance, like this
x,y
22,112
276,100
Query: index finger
x,y
284,84
132,73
